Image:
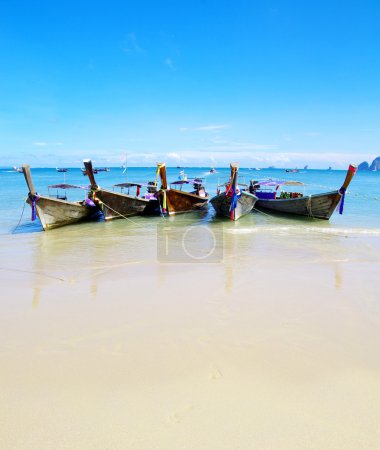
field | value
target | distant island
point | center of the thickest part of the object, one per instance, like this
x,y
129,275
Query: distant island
x,y
375,166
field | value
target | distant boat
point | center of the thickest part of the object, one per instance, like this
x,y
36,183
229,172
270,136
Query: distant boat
x,y
56,211
212,170
234,202
255,168
319,206
61,169
179,165
292,170
182,176
103,169
84,171
17,169
306,167
330,168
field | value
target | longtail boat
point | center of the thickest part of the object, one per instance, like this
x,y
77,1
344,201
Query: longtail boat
x,y
57,212
320,206
116,205
233,202
175,200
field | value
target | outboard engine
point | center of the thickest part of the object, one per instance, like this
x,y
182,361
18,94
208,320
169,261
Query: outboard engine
x,y
199,188
152,187
198,185
253,186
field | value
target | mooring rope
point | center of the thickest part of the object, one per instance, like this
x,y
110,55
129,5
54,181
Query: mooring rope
x,y
309,207
261,212
127,218
117,212
22,213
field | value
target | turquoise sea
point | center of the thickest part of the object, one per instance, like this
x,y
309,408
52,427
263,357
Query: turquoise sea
x,y
361,211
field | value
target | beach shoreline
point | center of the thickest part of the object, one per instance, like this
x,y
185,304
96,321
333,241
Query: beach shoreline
x,y
276,346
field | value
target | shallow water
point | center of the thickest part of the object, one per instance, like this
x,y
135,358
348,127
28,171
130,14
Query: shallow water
x,y
362,204
264,333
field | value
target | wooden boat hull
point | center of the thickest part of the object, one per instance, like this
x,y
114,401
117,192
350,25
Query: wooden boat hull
x,y
116,205
222,205
54,213
320,206
179,201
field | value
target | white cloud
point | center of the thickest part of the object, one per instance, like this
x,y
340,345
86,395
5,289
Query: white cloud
x,y
214,152
169,63
130,44
145,158
227,146
47,144
173,155
257,158
211,127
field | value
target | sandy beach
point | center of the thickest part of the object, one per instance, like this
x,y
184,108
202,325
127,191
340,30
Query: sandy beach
x,y
275,347
190,225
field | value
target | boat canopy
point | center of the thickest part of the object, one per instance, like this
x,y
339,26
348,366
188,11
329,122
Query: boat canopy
x,y
68,186
129,185
271,183
188,181
227,183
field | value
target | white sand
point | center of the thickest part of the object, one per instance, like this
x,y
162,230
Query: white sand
x,y
278,350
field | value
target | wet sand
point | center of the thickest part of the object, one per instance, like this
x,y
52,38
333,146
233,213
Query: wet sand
x,y
275,347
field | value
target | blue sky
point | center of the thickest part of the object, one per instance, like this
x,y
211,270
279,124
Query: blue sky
x,y
200,82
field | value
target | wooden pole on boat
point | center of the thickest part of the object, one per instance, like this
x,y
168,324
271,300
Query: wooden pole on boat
x,y
90,173
28,178
350,174
234,174
162,170
234,183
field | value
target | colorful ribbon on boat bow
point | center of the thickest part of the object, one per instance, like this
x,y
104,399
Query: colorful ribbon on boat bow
x,y
33,200
235,194
95,199
164,206
234,200
342,192
89,202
